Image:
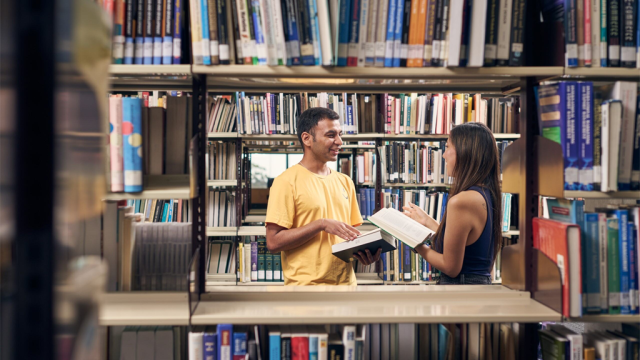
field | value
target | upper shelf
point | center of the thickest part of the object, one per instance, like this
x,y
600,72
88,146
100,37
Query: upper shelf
x,y
158,187
150,77
144,308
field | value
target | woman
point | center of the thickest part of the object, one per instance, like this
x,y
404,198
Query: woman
x,y
467,240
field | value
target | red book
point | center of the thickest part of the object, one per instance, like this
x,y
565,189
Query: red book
x,y
587,32
299,346
561,243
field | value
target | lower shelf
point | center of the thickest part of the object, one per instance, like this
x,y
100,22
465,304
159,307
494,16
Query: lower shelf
x,y
144,308
607,318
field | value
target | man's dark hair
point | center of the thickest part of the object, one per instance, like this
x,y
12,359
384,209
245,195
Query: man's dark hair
x,y
309,119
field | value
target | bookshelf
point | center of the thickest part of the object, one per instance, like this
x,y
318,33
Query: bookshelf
x,y
601,195
144,308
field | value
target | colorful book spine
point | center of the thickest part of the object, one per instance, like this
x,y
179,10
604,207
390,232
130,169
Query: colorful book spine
x,y
274,345
261,46
158,26
225,345
132,143
634,304
177,32
587,33
167,43
591,263
343,32
294,37
206,36
354,34
623,240
391,33
306,42
604,33
240,345
613,263
313,347
397,32
262,268
585,165
209,341
315,32
628,25
571,33
115,144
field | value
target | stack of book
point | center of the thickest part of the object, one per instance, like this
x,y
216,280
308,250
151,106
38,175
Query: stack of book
x,y
222,114
151,343
597,254
148,135
384,33
614,341
221,160
221,258
437,113
602,33
158,210
257,263
372,341
597,130
221,211
147,31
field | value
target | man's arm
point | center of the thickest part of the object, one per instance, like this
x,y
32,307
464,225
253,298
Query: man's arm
x,y
282,239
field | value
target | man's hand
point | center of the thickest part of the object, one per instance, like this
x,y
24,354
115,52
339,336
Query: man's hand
x,y
365,257
340,229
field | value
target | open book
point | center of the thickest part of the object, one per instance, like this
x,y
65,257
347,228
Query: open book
x,y
401,226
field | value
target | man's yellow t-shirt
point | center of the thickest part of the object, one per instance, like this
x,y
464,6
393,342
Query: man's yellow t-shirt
x,y
298,197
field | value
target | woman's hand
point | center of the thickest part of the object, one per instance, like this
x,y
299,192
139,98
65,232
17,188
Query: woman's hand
x,y
419,215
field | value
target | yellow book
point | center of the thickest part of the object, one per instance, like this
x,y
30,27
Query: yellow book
x,y
469,110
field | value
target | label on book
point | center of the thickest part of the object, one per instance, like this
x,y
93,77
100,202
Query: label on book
x,y
269,276
128,50
343,50
581,52
624,299
276,275
224,52
139,53
435,49
635,176
572,51
262,51
587,54
280,52
597,174
239,48
148,50
490,51
295,48
118,39
614,52
214,48
353,50
614,299
306,50
176,47
166,48
370,49
516,47
388,50
603,50
247,49
404,51
261,274
628,53
380,48
118,50
157,48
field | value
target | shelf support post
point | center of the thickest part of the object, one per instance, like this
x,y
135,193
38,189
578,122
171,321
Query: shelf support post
x,y
198,203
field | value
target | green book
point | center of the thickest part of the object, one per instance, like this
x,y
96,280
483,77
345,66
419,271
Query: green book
x,y
402,128
413,267
613,263
553,345
269,266
262,267
277,267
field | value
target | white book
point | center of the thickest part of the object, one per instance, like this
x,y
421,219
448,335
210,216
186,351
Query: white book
x,y
349,342
575,341
196,351
381,36
278,30
455,31
268,31
619,347
626,92
476,41
324,25
400,226
363,33
504,30
595,33
196,32
370,45
611,122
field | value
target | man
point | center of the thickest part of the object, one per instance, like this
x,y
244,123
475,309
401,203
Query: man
x,y
312,208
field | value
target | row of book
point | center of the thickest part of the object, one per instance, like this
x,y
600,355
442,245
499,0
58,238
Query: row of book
x,y
601,33
612,341
257,263
597,254
159,210
221,211
384,33
221,160
150,343
491,341
148,136
597,128
221,258
222,114
414,163
147,31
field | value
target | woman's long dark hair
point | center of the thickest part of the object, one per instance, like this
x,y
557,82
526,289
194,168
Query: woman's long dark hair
x,y
477,163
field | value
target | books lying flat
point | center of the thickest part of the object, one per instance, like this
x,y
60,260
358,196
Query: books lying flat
x,y
401,226
372,240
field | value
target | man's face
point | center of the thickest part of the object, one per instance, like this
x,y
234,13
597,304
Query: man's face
x,y
328,142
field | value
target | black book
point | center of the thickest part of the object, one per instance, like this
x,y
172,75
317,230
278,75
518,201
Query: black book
x,y
517,33
236,30
168,23
223,32
613,29
148,24
157,216
628,22
437,33
175,211
406,15
491,33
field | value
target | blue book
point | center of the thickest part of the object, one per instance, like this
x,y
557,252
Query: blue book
x,y
177,32
148,51
506,213
397,42
406,257
257,29
623,245
294,37
585,161
572,134
571,33
225,343
635,167
361,203
407,126
313,347
170,214
633,269
138,57
315,32
132,142
354,34
343,32
165,212
391,33
204,12
274,344
239,345
569,211
443,339
591,264
210,349
349,121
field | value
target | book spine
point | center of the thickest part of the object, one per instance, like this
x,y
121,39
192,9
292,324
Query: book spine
x,y
129,31
224,47
585,165
604,33
571,33
239,345
613,32
466,28
254,261
595,33
444,35
261,47
437,33
401,13
602,262
491,37
148,34
412,23
262,269
132,142
391,27
279,21
623,243
115,144
315,31
580,31
635,169
504,32
629,22
274,345
210,347
118,32
354,34
591,263
306,44
294,35
167,43
372,26
177,32
365,6
570,138
138,51
343,34
587,33
597,141
634,300
158,38
517,33
213,30
613,252
225,345
381,35
242,13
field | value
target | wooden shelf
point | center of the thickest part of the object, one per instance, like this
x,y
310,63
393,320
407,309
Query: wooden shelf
x,y
368,304
603,73
221,183
252,231
222,231
150,77
146,70
158,187
604,318
602,195
222,135
144,308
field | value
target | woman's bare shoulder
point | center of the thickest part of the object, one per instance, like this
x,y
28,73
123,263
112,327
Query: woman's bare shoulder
x,y
467,201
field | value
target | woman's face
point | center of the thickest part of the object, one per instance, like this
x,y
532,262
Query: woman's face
x,y
450,157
